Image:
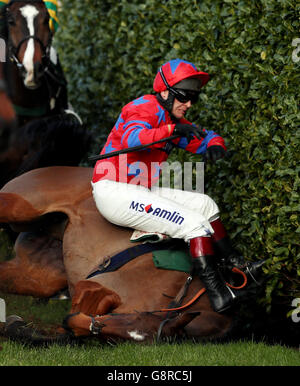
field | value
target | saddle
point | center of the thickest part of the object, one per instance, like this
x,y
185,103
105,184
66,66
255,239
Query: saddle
x,y
167,253
150,237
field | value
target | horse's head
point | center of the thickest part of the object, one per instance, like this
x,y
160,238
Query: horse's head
x,y
29,38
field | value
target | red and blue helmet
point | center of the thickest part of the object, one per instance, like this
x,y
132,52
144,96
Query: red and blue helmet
x,y
175,71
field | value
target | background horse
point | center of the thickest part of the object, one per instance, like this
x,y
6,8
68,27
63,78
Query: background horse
x,y
7,112
47,133
64,238
35,79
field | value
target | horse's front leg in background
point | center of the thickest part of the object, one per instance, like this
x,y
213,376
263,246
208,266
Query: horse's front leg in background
x,y
37,268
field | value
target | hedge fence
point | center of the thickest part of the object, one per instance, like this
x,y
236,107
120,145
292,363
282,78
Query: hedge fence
x,y
111,51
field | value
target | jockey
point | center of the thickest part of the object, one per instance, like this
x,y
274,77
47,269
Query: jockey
x,y
123,185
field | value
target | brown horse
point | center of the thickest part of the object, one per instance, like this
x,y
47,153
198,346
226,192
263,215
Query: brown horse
x,y
35,79
64,238
47,131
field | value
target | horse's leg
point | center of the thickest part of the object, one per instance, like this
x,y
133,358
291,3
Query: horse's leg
x,y
93,299
89,298
14,208
37,269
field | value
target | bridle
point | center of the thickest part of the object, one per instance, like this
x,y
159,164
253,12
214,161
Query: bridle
x,y
13,51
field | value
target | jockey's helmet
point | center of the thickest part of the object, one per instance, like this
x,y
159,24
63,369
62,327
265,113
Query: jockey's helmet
x,y
181,74
183,81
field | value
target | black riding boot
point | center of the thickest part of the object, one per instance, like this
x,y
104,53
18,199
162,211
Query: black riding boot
x,y
221,296
230,257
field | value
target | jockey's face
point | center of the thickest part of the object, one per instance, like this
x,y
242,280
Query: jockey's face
x,y
179,109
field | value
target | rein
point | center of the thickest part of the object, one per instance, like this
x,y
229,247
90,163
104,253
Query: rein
x,y
182,294
15,50
116,261
202,290
96,326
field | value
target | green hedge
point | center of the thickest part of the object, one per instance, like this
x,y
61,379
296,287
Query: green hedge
x,y
111,52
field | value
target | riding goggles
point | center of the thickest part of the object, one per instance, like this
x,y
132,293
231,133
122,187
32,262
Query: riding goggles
x,y
181,95
184,96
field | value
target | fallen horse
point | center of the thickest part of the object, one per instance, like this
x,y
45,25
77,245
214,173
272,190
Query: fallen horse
x,y
64,241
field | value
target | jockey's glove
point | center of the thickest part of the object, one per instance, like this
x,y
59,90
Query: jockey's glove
x,y
188,131
214,152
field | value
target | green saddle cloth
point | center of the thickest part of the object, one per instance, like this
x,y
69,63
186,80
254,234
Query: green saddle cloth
x,y
176,260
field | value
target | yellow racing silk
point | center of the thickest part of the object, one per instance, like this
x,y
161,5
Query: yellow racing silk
x,y
51,5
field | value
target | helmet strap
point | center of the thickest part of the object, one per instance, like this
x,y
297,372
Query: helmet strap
x,y
167,104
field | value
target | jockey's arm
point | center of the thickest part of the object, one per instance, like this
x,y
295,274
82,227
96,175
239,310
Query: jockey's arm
x,y
197,146
142,131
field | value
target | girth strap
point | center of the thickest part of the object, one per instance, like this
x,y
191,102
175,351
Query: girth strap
x,y
31,111
112,263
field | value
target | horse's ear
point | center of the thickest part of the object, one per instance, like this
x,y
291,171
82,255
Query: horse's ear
x,y
179,322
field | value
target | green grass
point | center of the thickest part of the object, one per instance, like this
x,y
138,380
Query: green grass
x,y
92,352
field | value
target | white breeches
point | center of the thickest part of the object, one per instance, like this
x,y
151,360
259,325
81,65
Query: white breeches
x,y
176,213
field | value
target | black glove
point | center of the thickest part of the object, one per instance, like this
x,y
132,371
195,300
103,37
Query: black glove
x,y
214,153
187,130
